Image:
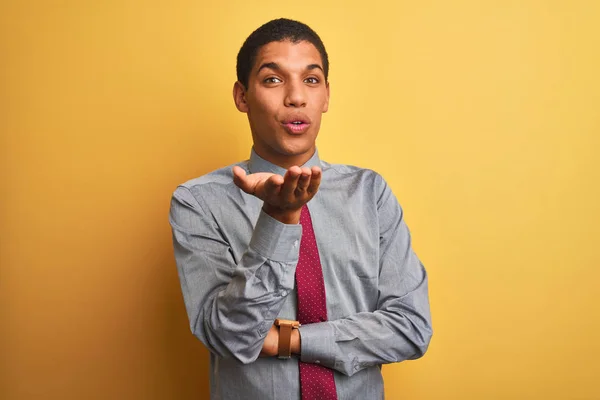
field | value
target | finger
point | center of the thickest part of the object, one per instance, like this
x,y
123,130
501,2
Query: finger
x,y
315,180
304,180
273,185
241,180
290,182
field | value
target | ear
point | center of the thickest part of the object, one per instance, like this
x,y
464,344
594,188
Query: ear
x,y
326,105
239,97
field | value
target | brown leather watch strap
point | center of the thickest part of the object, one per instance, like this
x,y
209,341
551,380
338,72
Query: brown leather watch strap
x,y
285,336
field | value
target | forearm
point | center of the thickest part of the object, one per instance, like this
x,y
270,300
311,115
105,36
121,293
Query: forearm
x,y
236,320
399,330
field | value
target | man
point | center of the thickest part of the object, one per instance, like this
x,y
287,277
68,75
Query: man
x,y
286,237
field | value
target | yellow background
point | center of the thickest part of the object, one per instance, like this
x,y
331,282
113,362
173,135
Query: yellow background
x,y
484,116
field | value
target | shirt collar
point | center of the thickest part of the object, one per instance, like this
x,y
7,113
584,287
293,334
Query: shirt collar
x,y
259,164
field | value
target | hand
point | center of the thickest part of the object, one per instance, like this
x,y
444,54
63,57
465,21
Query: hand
x,y
271,344
283,197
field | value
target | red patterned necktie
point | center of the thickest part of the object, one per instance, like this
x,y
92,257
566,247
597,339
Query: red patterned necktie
x,y
316,382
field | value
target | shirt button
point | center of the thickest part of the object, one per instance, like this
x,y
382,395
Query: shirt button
x,y
282,292
296,243
317,362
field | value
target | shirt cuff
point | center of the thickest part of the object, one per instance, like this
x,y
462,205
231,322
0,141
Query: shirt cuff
x,y
275,240
317,343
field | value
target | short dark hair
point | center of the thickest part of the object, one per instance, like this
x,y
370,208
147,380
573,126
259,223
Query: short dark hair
x,y
276,30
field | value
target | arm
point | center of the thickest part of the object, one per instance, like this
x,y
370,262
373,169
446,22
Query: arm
x,y
231,307
400,328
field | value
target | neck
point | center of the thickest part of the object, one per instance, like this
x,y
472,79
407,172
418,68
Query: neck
x,y
285,161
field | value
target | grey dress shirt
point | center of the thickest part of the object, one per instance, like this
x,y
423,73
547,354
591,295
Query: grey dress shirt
x,y
236,265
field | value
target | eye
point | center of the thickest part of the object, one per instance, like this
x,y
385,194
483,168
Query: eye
x,y
272,79
311,80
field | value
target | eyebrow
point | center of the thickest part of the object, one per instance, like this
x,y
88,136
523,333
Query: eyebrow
x,y
276,67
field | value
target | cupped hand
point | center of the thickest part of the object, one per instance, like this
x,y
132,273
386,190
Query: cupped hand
x,y
283,196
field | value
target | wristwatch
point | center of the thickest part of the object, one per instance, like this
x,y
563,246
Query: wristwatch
x,y
285,336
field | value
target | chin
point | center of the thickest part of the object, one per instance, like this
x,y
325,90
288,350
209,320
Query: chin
x,y
297,147
296,151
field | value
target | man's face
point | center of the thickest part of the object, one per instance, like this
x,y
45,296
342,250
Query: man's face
x,y
286,95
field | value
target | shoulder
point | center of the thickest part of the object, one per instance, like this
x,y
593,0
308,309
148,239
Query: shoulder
x,y
355,179
210,186
221,176
353,173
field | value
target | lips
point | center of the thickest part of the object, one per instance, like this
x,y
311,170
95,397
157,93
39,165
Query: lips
x,y
296,124
296,127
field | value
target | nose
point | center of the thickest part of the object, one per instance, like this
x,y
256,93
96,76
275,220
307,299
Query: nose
x,y
295,95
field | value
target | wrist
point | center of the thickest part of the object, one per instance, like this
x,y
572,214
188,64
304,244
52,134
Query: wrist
x,y
282,215
296,342
289,338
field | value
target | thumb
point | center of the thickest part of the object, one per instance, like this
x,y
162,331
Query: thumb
x,y
241,180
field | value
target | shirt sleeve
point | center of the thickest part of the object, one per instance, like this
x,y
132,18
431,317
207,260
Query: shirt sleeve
x,y
400,328
231,306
